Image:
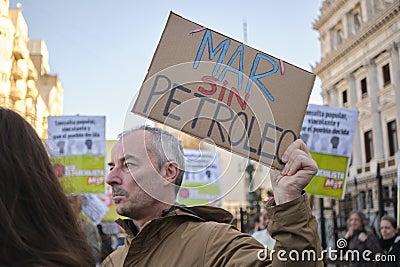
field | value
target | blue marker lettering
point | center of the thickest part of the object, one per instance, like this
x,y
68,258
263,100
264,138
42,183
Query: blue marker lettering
x,y
255,78
224,45
229,68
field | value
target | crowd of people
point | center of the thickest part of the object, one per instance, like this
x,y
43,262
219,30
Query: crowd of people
x,y
41,226
365,246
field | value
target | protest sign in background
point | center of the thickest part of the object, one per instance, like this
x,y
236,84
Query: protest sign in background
x,y
77,149
201,181
213,87
328,133
93,207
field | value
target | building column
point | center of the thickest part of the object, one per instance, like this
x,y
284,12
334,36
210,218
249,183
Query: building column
x,y
394,53
325,97
375,113
333,97
369,4
357,158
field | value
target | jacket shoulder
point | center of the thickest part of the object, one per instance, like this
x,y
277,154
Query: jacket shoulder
x,y
116,258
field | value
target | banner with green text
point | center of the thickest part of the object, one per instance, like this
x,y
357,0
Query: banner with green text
x,y
77,149
328,133
201,182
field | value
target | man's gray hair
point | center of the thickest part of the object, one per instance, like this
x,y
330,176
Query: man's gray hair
x,y
164,147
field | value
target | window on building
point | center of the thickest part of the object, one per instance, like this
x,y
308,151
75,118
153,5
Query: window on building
x,y
370,199
364,90
357,21
369,147
386,195
336,35
339,35
344,97
345,207
386,74
394,193
3,77
363,202
354,19
392,137
332,38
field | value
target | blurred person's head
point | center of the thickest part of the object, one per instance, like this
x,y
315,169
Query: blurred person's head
x,y
357,221
264,219
256,224
146,171
388,227
37,225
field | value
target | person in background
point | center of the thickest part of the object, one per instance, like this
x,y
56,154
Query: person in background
x,y
37,225
91,232
390,242
146,171
253,227
361,237
106,247
261,234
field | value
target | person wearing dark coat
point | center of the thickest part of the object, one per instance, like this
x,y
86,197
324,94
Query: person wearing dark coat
x,y
390,242
360,237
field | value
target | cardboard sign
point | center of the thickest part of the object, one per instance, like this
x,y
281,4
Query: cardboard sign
x,y
213,87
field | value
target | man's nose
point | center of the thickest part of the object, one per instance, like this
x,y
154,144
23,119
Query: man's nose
x,y
114,177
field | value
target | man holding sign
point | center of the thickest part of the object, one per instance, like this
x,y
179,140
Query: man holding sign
x,y
146,171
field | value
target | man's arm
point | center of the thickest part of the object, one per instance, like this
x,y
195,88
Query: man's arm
x,y
292,224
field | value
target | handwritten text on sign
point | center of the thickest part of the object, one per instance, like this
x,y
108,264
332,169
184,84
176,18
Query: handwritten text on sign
x,y
211,86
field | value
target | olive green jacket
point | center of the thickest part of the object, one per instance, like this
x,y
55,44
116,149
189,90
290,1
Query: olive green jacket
x,y
202,236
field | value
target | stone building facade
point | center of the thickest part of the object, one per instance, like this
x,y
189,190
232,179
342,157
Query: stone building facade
x,y
26,84
359,69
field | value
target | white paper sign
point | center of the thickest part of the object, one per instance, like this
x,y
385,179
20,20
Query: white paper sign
x,y
329,130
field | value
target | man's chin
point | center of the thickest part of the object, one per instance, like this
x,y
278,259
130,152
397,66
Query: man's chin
x,y
121,210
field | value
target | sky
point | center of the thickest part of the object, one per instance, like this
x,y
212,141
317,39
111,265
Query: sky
x,y
101,50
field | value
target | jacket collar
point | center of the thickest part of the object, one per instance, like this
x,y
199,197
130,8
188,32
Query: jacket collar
x,y
397,240
199,213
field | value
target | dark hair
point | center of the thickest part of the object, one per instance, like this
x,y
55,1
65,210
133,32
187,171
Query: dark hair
x,y
391,220
37,224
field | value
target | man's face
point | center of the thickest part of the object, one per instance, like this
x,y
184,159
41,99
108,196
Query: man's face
x,y
131,165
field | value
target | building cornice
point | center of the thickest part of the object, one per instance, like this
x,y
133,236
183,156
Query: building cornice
x,y
327,13
372,178
368,30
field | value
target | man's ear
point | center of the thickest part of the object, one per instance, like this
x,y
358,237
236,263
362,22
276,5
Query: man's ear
x,y
171,171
